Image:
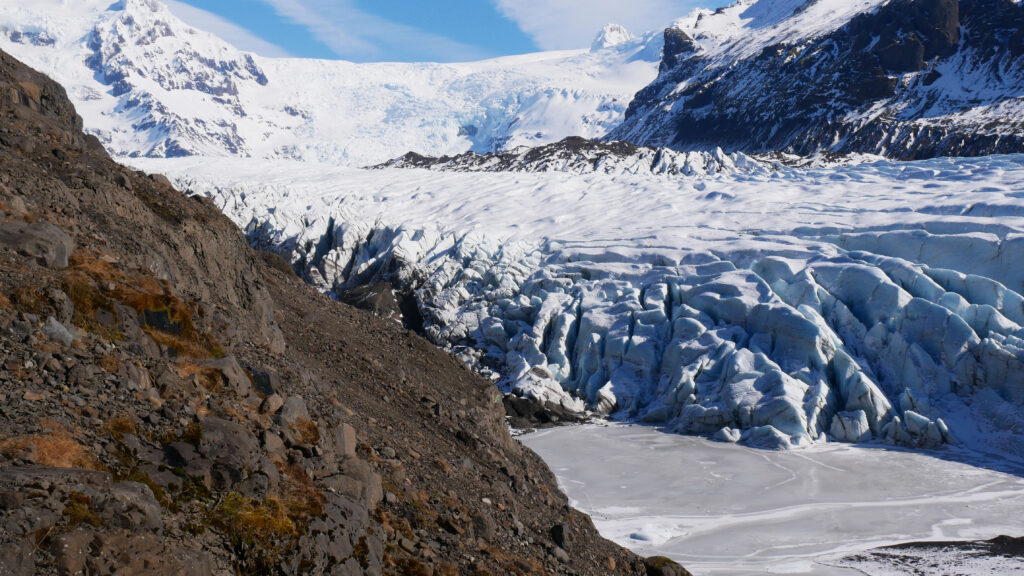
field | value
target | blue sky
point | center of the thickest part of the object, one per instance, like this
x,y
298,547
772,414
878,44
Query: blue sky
x,y
422,30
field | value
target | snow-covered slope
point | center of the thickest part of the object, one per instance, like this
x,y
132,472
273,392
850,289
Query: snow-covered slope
x,y
149,85
778,307
903,78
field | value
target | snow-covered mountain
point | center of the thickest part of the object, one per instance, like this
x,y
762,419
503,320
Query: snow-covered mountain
x,y
149,85
904,78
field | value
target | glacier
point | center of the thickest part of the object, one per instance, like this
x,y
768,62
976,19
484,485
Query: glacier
x,y
770,305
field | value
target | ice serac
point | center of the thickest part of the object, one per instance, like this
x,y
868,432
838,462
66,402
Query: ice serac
x,y
903,78
737,304
150,85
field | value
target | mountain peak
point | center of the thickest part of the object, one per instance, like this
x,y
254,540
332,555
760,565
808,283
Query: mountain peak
x,y
611,35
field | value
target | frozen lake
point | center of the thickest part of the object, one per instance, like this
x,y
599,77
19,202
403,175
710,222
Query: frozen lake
x,y
723,509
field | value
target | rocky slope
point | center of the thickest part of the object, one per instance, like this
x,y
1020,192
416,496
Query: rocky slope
x,y
906,79
172,402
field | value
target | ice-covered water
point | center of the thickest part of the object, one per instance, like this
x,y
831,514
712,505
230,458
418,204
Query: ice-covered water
x,y
722,509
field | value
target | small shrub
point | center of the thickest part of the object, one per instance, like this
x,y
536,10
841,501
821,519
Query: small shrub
x,y
119,426
303,499
28,299
78,511
259,530
87,300
407,566
192,490
142,478
308,431
361,553
110,363
193,434
147,295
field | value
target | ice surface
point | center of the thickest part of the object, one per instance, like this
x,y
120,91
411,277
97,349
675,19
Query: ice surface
x,y
735,303
721,509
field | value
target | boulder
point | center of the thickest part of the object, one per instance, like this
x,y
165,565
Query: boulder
x,y
235,377
266,383
231,447
63,307
71,551
58,332
662,566
271,404
294,410
134,507
727,435
140,342
40,240
358,481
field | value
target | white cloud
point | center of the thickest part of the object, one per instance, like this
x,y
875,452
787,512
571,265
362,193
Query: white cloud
x,y
232,33
357,35
569,24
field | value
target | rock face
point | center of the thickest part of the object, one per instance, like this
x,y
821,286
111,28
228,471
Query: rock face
x,y
41,240
173,403
907,79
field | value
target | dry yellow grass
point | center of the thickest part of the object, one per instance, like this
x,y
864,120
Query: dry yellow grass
x,y
94,282
55,447
260,531
308,431
302,500
119,426
210,378
110,363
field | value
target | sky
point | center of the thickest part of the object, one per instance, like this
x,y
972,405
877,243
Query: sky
x,y
422,30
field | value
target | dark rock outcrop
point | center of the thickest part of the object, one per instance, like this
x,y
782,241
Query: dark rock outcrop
x,y
910,79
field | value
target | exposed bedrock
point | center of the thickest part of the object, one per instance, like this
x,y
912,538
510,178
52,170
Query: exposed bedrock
x,y
890,80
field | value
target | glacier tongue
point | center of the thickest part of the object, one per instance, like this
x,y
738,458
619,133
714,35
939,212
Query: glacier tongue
x,y
737,305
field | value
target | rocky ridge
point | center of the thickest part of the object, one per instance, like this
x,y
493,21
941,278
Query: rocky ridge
x,y
173,402
577,155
